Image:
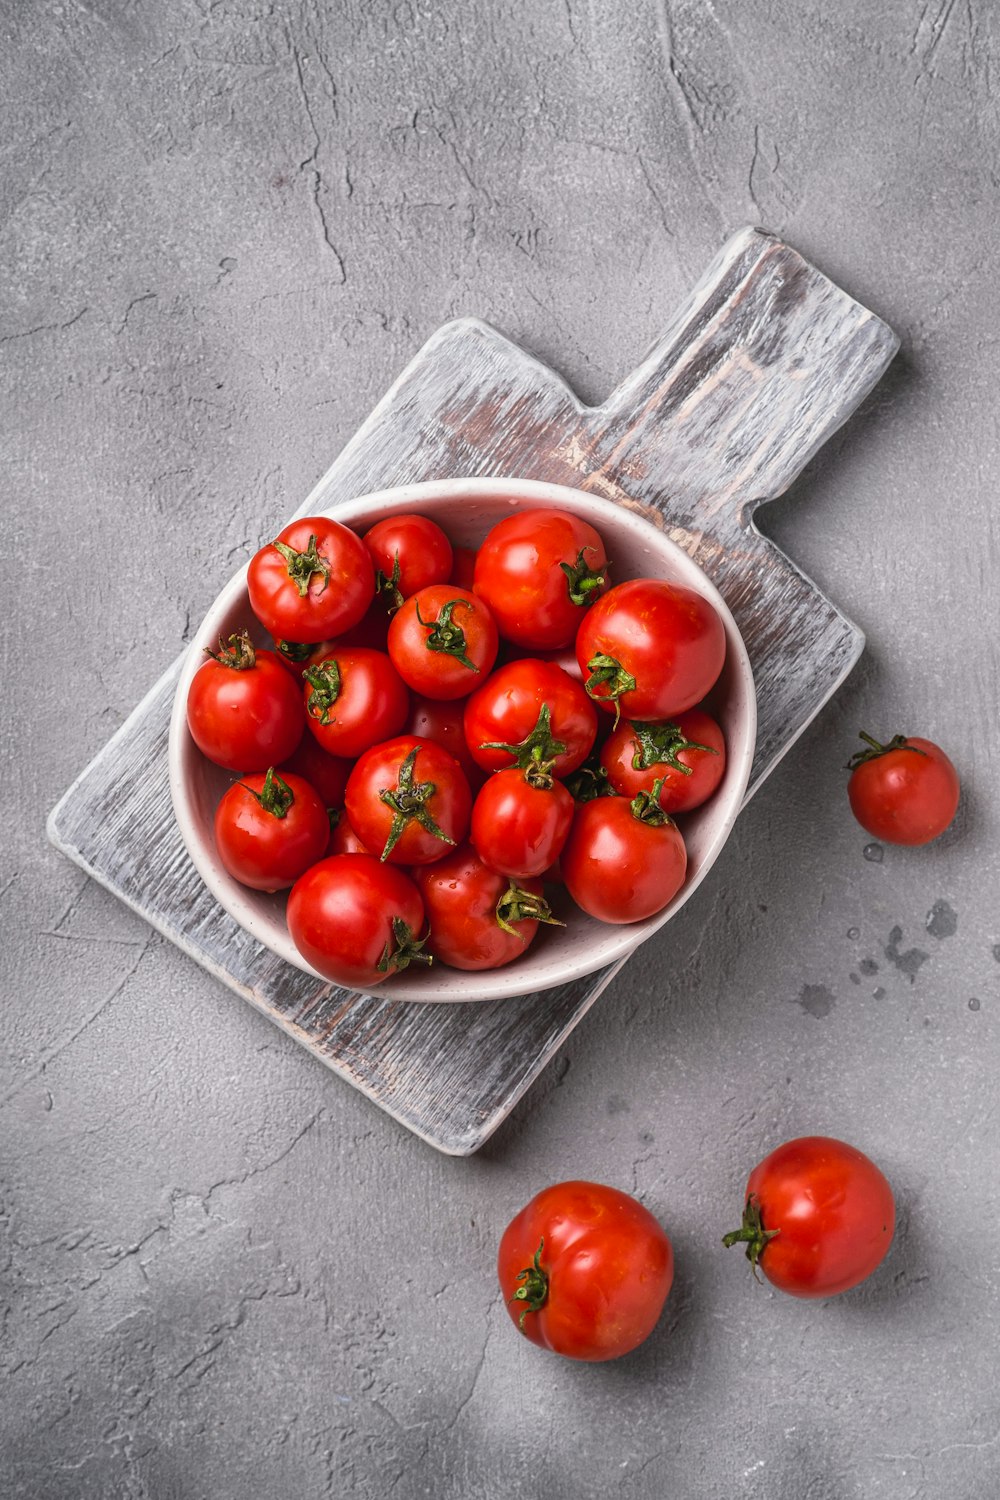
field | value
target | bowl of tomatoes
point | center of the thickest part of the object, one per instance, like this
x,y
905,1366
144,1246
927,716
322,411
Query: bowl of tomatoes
x,y
462,740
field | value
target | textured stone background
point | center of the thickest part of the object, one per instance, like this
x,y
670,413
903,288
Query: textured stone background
x,y
225,228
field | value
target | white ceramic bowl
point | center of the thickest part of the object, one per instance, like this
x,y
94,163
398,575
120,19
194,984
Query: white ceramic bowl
x,y
466,509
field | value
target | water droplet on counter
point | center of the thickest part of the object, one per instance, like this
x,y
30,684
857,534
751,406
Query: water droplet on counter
x,y
996,952
942,922
816,1000
874,853
973,1003
853,933
854,978
868,966
878,993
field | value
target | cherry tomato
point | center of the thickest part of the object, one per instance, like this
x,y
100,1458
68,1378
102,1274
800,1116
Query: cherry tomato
x,y
539,570
650,649
326,774
443,641
409,552
520,820
503,715
623,860
357,920
443,721
269,829
353,698
313,581
408,800
687,757
478,918
243,709
585,1271
343,839
819,1217
903,792
463,568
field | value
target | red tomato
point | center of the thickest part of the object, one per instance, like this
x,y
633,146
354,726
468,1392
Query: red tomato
x,y
409,552
270,829
463,567
819,1217
314,580
243,709
408,800
687,756
356,920
353,698
478,918
343,839
585,1271
650,649
520,820
503,718
326,774
443,721
623,861
903,792
443,641
538,571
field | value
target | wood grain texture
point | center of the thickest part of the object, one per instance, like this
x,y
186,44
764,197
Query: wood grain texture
x,y
762,363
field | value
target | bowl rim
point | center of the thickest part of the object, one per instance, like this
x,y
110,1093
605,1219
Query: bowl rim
x,y
621,940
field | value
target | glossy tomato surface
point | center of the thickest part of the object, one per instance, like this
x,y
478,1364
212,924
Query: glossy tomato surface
x,y
905,792
354,697
603,1270
518,827
313,581
327,774
409,552
478,918
356,920
244,710
616,866
539,571
443,641
408,800
652,648
505,711
687,756
819,1217
269,829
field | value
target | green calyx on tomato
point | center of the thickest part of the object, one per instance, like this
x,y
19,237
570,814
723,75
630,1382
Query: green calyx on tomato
x,y
275,796
518,905
408,800
646,806
534,1288
445,635
325,682
589,782
751,1233
294,651
608,673
303,566
409,949
581,579
237,653
874,750
536,749
660,745
388,584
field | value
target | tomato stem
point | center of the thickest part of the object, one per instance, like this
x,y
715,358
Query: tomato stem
x,y
445,635
607,672
237,653
534,1288
518,905
388,584
409,949
898,742
303,566
660,745
646,806
589,782
295,652
275,796
751,1233
537,750
326,684
408,800
583,581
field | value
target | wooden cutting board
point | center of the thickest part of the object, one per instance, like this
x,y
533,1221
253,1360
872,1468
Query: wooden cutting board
x,y
764,360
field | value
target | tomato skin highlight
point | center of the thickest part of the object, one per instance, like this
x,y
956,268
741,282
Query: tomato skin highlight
x,y
830,1211
505,709
519,829
410,552
618,868
438,670
341,916
446,805
460,896
334,599
908,794
609,1267
372,701
680,791
519,573
245,719
668,639
260,849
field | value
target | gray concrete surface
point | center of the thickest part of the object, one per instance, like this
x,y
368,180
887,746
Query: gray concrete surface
x,y
225,227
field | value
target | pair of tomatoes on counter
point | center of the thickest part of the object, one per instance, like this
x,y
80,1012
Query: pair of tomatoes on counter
x,y
437,733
